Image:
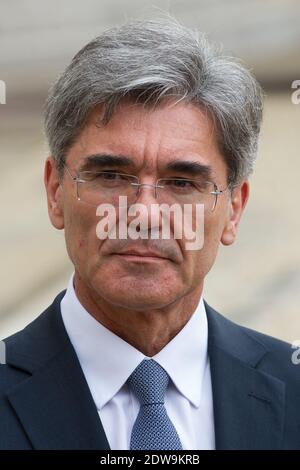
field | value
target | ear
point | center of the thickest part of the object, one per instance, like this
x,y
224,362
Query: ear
x,y
54,194
237,203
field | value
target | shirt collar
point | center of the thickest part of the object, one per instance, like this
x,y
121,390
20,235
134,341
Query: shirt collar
x,y
107,360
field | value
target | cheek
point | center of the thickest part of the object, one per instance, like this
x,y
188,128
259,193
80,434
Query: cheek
x,y
200,261
80,233
212,237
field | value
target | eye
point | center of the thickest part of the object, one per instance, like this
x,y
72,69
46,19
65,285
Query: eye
x,y
183,183
109,175
179,184
110,179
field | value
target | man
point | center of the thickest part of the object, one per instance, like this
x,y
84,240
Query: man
x,y
131,356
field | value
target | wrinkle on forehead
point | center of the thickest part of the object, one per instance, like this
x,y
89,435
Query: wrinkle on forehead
x,y
152,136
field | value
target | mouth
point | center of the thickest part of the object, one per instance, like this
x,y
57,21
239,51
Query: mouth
x,y
147,256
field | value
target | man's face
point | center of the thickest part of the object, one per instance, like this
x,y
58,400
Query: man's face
x,y
150,139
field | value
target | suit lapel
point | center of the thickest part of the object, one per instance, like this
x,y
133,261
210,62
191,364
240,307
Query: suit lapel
x,y
248,403
53,403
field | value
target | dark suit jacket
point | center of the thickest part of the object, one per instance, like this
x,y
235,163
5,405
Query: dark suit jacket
x,y
45,402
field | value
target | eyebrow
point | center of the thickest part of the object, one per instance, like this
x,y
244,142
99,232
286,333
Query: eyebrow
x,y
103,160
192,168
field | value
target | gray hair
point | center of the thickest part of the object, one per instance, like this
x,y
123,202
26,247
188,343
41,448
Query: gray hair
x,y
148,61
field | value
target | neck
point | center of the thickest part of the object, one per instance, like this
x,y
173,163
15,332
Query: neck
x,y
148,330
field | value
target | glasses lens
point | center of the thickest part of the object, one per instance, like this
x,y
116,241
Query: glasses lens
x,y
184,191
106,187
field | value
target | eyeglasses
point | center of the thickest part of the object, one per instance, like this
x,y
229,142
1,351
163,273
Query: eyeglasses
x,y
96,187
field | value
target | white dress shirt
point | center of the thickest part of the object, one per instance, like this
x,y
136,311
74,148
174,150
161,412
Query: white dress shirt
x,y
107,361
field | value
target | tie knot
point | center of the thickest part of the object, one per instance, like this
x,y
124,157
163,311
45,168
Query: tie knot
x,y
149,382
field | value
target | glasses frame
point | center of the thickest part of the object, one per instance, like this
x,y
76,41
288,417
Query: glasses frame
x,y
78,180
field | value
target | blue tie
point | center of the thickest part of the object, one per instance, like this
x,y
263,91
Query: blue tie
x,y
153,429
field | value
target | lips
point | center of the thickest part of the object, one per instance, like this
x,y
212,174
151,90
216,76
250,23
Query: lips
x,y
146,254
141,253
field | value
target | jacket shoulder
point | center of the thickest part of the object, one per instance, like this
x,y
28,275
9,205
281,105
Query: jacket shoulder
x,y
30,346
280,358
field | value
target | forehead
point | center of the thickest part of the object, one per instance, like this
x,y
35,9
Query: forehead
x,y
151,137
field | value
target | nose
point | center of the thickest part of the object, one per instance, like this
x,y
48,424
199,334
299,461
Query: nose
x,y
145,207
140,187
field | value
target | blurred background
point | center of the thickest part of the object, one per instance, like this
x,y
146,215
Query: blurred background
x,y
256,282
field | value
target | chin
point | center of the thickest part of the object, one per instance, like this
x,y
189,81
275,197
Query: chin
x,y
139,303
138,287
137,294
